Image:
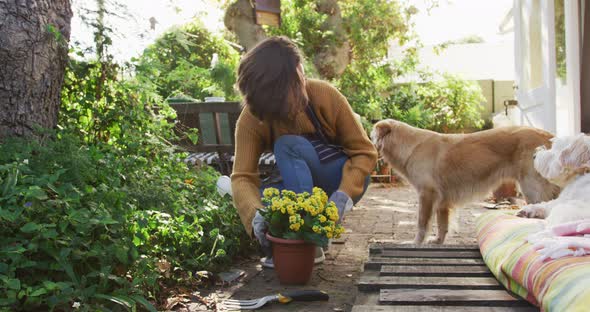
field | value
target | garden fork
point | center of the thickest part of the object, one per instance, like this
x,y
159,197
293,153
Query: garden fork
x,y
285,297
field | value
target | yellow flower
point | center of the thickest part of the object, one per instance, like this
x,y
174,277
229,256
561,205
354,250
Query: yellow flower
x,y
323,218
329,235
276,205
292,219
317,229
270,192
332,212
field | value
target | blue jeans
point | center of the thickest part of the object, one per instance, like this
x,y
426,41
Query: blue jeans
x,y
301,169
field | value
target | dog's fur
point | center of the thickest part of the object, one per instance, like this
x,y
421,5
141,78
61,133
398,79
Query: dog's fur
x,y
449,170
566,164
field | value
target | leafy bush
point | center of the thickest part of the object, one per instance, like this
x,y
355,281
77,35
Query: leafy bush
x,y
190,60
106,213
91,223
448,105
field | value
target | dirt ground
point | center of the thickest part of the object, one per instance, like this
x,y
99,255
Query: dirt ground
x,y
386,213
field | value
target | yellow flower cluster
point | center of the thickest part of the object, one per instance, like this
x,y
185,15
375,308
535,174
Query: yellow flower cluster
x,y
330,229
270,193
313,207
295,222
332,211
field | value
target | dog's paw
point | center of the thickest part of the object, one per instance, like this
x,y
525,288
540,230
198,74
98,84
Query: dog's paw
x,y
436,241
532,211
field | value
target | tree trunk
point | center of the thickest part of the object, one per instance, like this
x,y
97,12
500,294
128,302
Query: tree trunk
x,y
239,19
34,36
331,60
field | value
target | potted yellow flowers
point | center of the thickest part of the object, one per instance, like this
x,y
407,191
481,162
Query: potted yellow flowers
x,y
297,223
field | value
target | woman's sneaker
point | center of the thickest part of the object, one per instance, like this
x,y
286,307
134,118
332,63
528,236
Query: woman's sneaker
x,y
319,255
267,263
224,186
319,258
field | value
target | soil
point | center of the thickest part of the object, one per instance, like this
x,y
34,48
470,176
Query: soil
x,y
387,213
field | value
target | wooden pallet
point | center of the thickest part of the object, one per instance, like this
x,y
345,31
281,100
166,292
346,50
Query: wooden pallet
x,y
431,278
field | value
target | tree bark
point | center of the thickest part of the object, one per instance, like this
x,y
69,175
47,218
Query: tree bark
x,y
331,60
34,36
239,19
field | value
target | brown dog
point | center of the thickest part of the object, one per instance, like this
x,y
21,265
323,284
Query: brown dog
x,y
449,170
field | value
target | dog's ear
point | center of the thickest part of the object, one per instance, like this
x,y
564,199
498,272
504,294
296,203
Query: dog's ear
x,y
577,155
381,129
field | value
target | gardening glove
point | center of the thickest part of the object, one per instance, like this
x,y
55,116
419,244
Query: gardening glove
x,y
343,203
260,226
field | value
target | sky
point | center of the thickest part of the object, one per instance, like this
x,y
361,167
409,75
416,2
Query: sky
x,y
453,19
457,19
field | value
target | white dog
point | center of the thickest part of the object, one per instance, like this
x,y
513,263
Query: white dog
x,y
566,164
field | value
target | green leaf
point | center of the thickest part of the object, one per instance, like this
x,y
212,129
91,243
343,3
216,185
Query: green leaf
x,y
29,227
50,234
122,255
118,300
13,283
38,292
292,235
315,238
37,193
144,303
50,285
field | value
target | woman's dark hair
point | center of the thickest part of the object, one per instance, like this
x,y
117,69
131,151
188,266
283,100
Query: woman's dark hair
x,y
269,80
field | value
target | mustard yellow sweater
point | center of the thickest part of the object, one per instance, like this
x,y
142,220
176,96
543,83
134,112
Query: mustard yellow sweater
x,y
340,125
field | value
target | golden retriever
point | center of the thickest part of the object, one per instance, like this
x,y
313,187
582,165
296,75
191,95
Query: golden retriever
x,y
449,170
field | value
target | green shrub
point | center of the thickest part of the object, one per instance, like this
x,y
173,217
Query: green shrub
x,y
106,212
448,105
182,61
90,223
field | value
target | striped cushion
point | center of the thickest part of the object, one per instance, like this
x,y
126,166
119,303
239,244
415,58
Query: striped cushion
x,y
554,285
213,157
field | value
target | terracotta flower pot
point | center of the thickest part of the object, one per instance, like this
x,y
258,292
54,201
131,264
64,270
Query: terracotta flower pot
x,y
384,169
293,260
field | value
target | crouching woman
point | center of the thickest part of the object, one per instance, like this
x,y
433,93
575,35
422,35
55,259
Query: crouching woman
x,y
310,127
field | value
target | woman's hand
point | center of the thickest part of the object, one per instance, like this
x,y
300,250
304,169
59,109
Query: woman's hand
x,y
259,227
343,203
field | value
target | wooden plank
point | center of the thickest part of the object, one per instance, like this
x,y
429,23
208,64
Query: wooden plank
x,y
217,129
233,120
451,254
380,247
412,296
206,107
408,308
206,148
375,263
372,283
435,270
